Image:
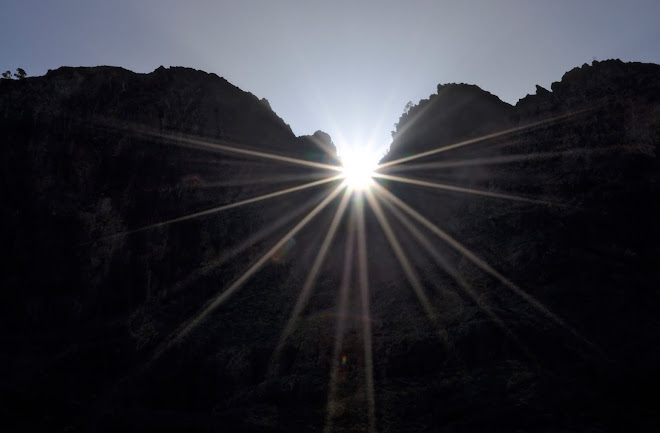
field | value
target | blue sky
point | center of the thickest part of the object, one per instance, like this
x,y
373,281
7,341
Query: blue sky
x,y
346,67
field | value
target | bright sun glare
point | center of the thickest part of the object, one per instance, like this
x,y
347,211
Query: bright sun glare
x,y
358,169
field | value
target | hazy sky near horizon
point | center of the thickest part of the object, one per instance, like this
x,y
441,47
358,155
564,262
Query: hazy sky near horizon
x,y
345,67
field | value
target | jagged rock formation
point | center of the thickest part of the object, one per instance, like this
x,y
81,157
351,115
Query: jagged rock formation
x,y
319,147
456,110
91,152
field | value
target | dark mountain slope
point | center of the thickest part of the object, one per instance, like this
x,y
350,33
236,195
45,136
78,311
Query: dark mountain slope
x,y
83,161
589,255
90,152
456,110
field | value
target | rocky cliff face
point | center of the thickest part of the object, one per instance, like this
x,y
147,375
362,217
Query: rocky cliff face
x,y
91,154
568,342
587,251
456,110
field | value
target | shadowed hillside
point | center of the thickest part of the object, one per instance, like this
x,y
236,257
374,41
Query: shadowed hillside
x,y
527,299
586,250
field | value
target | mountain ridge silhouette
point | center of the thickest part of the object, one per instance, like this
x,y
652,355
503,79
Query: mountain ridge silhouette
x,y
95,155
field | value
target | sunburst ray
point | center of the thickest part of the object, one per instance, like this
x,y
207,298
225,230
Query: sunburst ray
x,y
463,189
251,240
453,273
407,267
268,180
483,265
229,147
503,159
366,325
305,293
340,325
478,139
222,208
220,145
238,283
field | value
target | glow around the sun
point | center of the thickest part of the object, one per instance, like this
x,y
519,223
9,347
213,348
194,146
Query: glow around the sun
x,y
358,168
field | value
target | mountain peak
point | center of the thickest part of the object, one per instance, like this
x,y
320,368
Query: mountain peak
x,y
457,111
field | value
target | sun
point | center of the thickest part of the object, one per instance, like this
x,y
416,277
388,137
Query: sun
x,y
358,169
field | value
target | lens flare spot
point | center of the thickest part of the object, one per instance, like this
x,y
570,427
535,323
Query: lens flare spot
x,y
281,254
